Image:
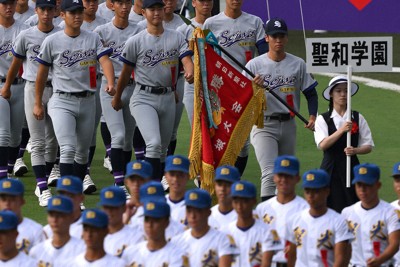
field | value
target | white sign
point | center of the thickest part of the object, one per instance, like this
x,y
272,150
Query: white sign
x,y
363,54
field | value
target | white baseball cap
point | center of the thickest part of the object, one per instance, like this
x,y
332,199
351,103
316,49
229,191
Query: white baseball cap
x,y
338,80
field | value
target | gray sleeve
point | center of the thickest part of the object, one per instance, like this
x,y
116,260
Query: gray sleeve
x,y
101,50
129,54
19,48
45,57
183,47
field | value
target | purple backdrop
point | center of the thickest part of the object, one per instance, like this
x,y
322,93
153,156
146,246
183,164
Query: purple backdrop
x,y
337,15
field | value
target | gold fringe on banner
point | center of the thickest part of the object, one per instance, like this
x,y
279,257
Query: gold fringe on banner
x,y
207,177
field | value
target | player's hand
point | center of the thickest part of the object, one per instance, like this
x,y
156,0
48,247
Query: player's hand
x,y
116,103
346,127
189,77
110,90
259,80
130,210
350,151
38,111
373,262
311,123
5,93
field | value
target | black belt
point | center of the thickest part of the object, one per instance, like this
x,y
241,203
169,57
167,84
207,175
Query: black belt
x,y
280,116
48,84
16,80
156,90
77,94
281,264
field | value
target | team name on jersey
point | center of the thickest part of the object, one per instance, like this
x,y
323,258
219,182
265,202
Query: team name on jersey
x,y
324,240
69,59
230,39
210,259
255,253
23,245
279,81
35,52
6,47
117,50
151,59
377,231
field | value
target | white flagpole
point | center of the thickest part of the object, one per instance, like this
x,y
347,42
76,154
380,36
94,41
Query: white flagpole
x,y
348,158
269,16
182,7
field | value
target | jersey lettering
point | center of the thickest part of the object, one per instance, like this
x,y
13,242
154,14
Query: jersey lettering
x,y
5,48
152,60
117,50
69,59
35,52
279,81
229,40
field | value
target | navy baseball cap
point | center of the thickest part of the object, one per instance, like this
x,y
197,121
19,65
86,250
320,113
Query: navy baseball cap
x,y
94,217
11,187
71,5
177,163
140,168
8,220
198,198
335,81
243,189
9,1
366,173
150,3
396,170
112,196
156,209
227,173
61,204
45,3
287,165
317,178
275,26
70,184
152,191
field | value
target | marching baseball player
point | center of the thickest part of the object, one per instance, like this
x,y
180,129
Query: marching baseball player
x,y
204,245
120,236
223,213
95,223
120,123
154,55
61,248
23,11
73,55
256,241
71,186
396,203
34,20
177,176
135,16
43,140
286,75
20,168
12,106
374,222
202,10
318,236
90,20
30,232
9,254
155,251
278,210
242,35
106,10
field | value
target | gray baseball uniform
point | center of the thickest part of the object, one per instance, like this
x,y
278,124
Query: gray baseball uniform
x,y
105,12
135,18
10,110
278,137
72,106
173,24
33,20
24,16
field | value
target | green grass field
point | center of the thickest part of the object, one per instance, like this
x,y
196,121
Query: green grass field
x,y
380,108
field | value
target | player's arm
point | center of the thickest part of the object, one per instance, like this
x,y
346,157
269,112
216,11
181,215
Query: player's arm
x,y
291,254
108,70
121,84
388,253
312,102
5,92
41,78
342,255
266,260
225,261
188,68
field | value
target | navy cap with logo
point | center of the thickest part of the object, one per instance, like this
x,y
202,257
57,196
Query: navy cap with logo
x,y
396,170
152,191
45,3
227,173
61,204
156,209
70,184
150,3
275,26
317,178
287,165
140,168
8,220
71,5
95,218
198,198
366,173
112,196
243,189
11,187
177,163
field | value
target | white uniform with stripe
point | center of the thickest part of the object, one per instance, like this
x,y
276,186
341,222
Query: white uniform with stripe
x,y
178,210
21,260
156,61
287,79
116,243
396,258
43,140
217,219
253,242
315,238
272,211
74,63
371,229
30,233
46,254
106,260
